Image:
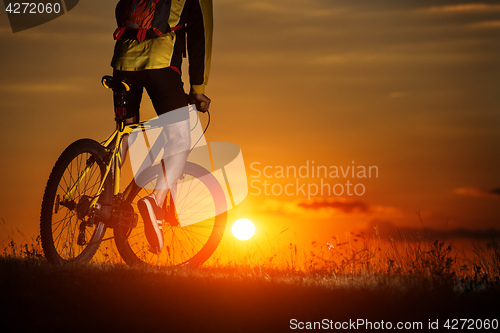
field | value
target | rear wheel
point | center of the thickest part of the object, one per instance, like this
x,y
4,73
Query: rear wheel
x,y
193,226
70,230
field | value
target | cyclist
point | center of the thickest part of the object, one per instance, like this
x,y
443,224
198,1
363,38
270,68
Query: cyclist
x,y
155,64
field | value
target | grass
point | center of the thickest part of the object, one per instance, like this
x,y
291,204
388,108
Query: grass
x,y
38,296
356,257
358,276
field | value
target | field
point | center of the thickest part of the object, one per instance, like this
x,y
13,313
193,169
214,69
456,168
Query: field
x,y
335,285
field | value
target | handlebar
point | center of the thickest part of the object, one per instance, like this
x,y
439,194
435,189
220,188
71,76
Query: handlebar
x,y
199,105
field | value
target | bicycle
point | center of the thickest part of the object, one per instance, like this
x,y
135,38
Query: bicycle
x,y
82,199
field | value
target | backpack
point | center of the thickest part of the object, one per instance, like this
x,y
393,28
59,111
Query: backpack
x,y
142,19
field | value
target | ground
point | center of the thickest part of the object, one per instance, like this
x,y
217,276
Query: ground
x,y
40,297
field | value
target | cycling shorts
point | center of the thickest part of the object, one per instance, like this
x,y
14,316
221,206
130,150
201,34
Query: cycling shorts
x,y
164,87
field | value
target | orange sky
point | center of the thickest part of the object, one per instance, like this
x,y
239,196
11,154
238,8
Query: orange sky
x,y
411,87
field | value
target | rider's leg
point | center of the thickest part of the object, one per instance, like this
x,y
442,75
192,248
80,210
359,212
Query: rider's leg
x,y
165,88
173,161
133,101
174,157
123,153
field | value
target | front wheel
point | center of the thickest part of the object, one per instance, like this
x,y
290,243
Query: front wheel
x,y
69,228
199,204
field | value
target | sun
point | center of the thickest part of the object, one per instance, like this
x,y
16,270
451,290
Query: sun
x,y
243,229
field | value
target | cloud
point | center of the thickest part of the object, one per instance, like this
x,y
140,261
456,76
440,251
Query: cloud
x,y
477,192
464,8
340,205
316,209
330,208
349,207
485,25
37,88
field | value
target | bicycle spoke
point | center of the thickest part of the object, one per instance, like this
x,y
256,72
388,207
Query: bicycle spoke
x,y
195,208
72,179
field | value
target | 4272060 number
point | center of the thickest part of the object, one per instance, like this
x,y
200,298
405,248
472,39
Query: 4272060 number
x,y
471,324
33,8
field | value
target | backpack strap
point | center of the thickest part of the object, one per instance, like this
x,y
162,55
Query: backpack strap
x,y
177,27
141,35
118,33
157,32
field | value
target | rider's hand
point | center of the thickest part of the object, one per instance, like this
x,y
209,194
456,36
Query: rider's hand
x,y
201,101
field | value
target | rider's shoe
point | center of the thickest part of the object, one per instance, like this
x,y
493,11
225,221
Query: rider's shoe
x,y
152,216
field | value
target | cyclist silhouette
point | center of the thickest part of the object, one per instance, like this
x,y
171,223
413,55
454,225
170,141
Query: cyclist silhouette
x,y
146,60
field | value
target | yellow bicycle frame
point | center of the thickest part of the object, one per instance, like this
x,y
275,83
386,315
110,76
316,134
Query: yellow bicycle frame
x,y
112,145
